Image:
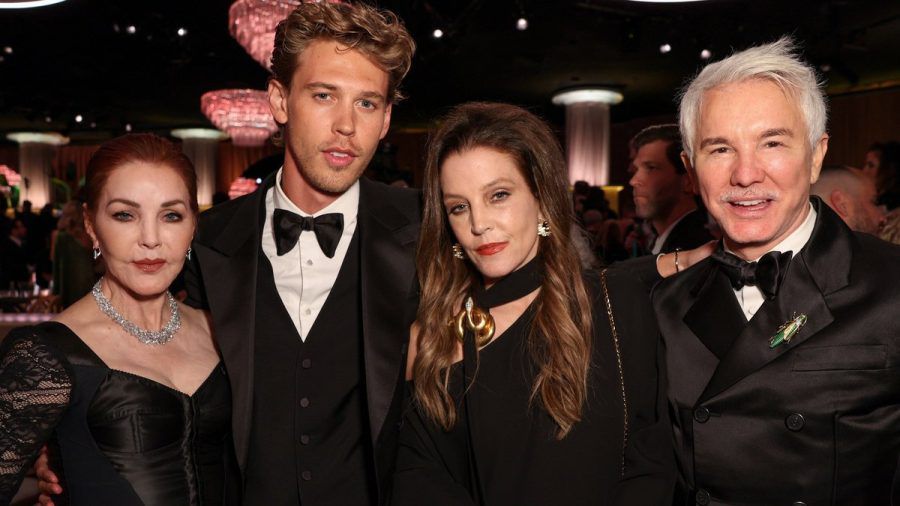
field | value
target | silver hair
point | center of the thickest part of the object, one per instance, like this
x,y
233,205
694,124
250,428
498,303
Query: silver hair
x,y
778,62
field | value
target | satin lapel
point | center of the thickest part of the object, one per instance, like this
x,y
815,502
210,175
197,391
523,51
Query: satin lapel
x,y
716,317
388,238
228,262
689,362
820,269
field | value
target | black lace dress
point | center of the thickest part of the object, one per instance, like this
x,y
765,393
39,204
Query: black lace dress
x,y
114,437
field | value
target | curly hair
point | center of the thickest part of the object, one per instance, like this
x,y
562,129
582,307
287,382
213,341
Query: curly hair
x,y
377,34
559,342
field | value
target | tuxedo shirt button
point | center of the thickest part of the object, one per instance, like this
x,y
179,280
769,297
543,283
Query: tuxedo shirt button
x,y
795,422
306,363
309,262
304,439
306,475
702,497
308,312
701,415
304,402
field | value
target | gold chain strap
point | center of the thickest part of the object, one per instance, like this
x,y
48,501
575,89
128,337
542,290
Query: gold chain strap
x,y
615,336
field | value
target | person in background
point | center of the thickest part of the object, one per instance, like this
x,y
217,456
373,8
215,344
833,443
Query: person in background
x,y
852,196
73,266
882,165
664,192
14,259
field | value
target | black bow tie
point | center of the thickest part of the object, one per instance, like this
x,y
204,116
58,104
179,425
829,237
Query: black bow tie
x,y
288,226
766,274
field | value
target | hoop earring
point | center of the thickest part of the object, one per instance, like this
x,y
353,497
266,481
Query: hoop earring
x,y
188,254
543,228
96,253
458,252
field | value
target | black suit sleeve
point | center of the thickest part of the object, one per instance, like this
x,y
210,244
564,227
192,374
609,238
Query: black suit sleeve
x,y
421,476
193,283
649,475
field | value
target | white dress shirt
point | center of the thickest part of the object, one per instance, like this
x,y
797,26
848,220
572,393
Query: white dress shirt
x,y
751,297
304,275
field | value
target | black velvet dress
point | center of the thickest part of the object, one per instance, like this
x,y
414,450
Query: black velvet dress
x,y
114,437
504,450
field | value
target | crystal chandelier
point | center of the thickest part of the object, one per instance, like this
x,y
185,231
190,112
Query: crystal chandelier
x,y
243,114
252,23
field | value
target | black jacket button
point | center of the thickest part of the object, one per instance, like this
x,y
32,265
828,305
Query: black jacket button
x,y
702,497
795,422
701,415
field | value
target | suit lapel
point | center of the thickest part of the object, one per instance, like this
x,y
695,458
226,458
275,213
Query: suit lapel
x,y
821,268
716,317
228,262
387,240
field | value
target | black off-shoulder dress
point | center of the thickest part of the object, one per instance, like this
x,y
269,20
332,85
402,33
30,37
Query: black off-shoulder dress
x,y
503,451
114,437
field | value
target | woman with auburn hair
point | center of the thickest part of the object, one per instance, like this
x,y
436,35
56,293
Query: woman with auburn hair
x,y
535,382
125,386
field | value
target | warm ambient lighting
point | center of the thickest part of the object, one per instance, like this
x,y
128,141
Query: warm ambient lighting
x,y
583,95
243,114
27,4
199,133
51,138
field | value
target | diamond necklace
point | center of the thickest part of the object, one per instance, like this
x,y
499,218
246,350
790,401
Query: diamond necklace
x,y
161,336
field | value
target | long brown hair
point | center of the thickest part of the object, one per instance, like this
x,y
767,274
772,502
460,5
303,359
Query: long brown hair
x,y
559,342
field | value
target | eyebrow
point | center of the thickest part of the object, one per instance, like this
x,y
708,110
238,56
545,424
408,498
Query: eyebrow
x,y
713,140
777,132
132,203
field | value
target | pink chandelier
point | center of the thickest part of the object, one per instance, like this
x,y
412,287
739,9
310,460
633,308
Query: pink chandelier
x,y
12,177
252,23
242,114
241,186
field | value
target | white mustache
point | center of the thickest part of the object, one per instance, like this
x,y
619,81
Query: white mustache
x,y
750,193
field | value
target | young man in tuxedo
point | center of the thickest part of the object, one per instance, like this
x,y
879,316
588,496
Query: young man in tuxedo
x,y
783,348
310,280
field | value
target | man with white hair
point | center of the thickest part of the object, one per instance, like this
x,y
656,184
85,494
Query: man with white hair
x,y
782,349
852,196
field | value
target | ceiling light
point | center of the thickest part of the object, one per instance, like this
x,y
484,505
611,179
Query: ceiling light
x,y
243,114
51,138
131,29
199,133
583,95
127,127
825,67
705,54
26,4
522,24
437,33
665,48
93,124
79,118
48,119
8,50
182,32
252,23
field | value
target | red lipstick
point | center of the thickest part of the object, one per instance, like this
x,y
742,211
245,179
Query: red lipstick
x,y
491,248
150,265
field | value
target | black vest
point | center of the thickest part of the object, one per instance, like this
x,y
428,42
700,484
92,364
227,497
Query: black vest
x,y
309,438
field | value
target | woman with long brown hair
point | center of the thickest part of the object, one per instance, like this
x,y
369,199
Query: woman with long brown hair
x,y
535,382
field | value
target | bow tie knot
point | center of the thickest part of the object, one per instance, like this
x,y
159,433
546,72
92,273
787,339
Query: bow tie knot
x,y
766,274
288,226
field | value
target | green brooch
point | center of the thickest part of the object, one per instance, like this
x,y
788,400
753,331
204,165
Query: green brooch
x,y
787,330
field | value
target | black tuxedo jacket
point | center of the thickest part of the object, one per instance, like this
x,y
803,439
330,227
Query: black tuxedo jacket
x,y
222,278
813,421
688,233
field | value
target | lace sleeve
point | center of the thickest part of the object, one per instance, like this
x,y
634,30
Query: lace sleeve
x,y
34,392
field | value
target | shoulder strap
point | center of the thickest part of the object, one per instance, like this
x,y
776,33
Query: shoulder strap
x,y
616,347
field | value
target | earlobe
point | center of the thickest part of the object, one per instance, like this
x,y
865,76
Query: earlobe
x,y
690,173
838,202
277,95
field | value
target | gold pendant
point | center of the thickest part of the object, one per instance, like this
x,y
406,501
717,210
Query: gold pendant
x,y
480,322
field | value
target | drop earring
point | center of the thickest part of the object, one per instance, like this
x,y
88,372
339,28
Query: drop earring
x,y
188,254
458,252
96,253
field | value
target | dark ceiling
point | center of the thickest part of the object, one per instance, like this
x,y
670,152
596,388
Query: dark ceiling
x,y
78,57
